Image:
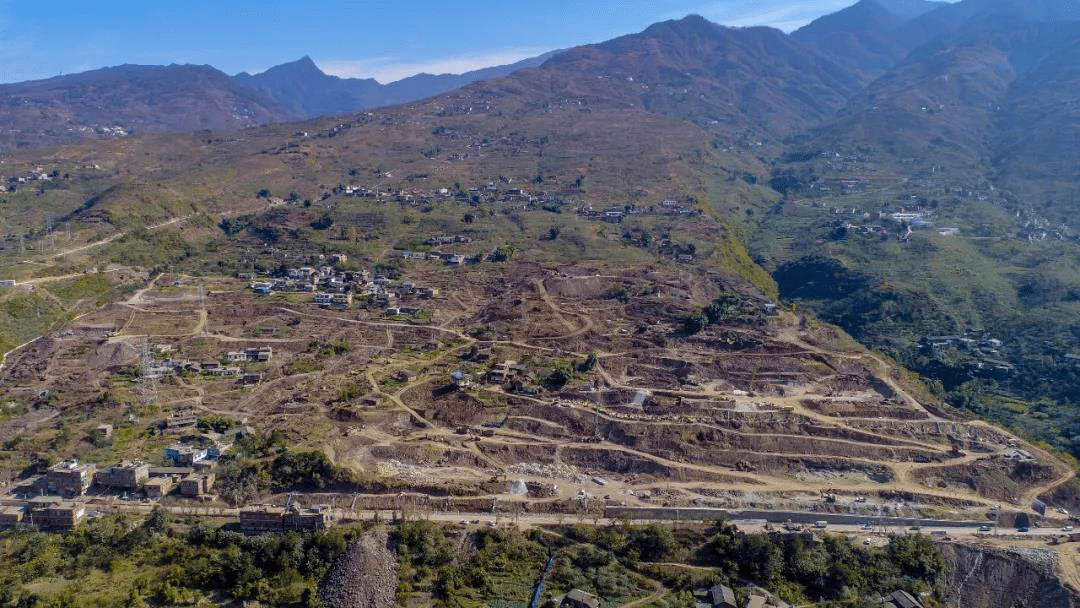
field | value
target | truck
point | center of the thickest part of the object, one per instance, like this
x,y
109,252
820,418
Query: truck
x,y
821,524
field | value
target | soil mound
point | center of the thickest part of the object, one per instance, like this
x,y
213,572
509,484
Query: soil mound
x,y
108,355
364,577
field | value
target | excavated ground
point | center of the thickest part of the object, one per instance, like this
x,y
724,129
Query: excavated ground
x,y
752,409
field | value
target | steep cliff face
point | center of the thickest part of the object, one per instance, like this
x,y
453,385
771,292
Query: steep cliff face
x,y
981,578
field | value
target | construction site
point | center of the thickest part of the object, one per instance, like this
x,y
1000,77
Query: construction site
x,y
576,384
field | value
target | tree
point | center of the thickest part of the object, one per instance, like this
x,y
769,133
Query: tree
x,y
158,520
467,218
553,233
693,324
264,193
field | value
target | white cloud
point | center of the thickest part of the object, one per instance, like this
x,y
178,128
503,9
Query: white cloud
x,y
390,69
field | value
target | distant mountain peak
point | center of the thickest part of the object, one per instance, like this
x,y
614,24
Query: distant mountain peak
x,y
909,9
866,16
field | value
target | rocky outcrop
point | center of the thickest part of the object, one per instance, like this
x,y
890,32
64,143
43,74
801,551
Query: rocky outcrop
x,y
978,577
364,577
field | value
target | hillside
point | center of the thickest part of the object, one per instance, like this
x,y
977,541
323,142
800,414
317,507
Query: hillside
x,y
115,102
968,136
745,83
866,38
133,99
589,290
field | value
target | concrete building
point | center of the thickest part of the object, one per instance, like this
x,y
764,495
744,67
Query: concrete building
x,y
103,431
260,354
265,518
307,518
68,478
10,517
65,515
185,455
196,484
181,419
159,487
54,513
262,518
125,476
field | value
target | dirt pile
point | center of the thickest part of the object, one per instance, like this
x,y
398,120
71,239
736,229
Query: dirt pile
x,y
108,355
364,577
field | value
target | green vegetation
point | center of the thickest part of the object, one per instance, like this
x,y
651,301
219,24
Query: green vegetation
x,y
244,478
25,316
119,561
94,286
893,319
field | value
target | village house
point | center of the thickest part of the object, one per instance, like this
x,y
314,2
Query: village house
x,y
179,419
68,478
196,484
10,517
460,379
259,353
901,599
721,596
265,518
158,487
261,518
128,476
185,455
503,372
60,516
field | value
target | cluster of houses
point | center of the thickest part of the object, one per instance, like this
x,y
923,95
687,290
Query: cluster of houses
x,y
45,512
510,374
36,175
450,259
436,241
615,214
215,367
55,499
985,349
491,192
308,279
336,289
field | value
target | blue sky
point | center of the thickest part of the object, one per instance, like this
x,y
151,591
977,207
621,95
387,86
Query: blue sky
x,y
384,39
